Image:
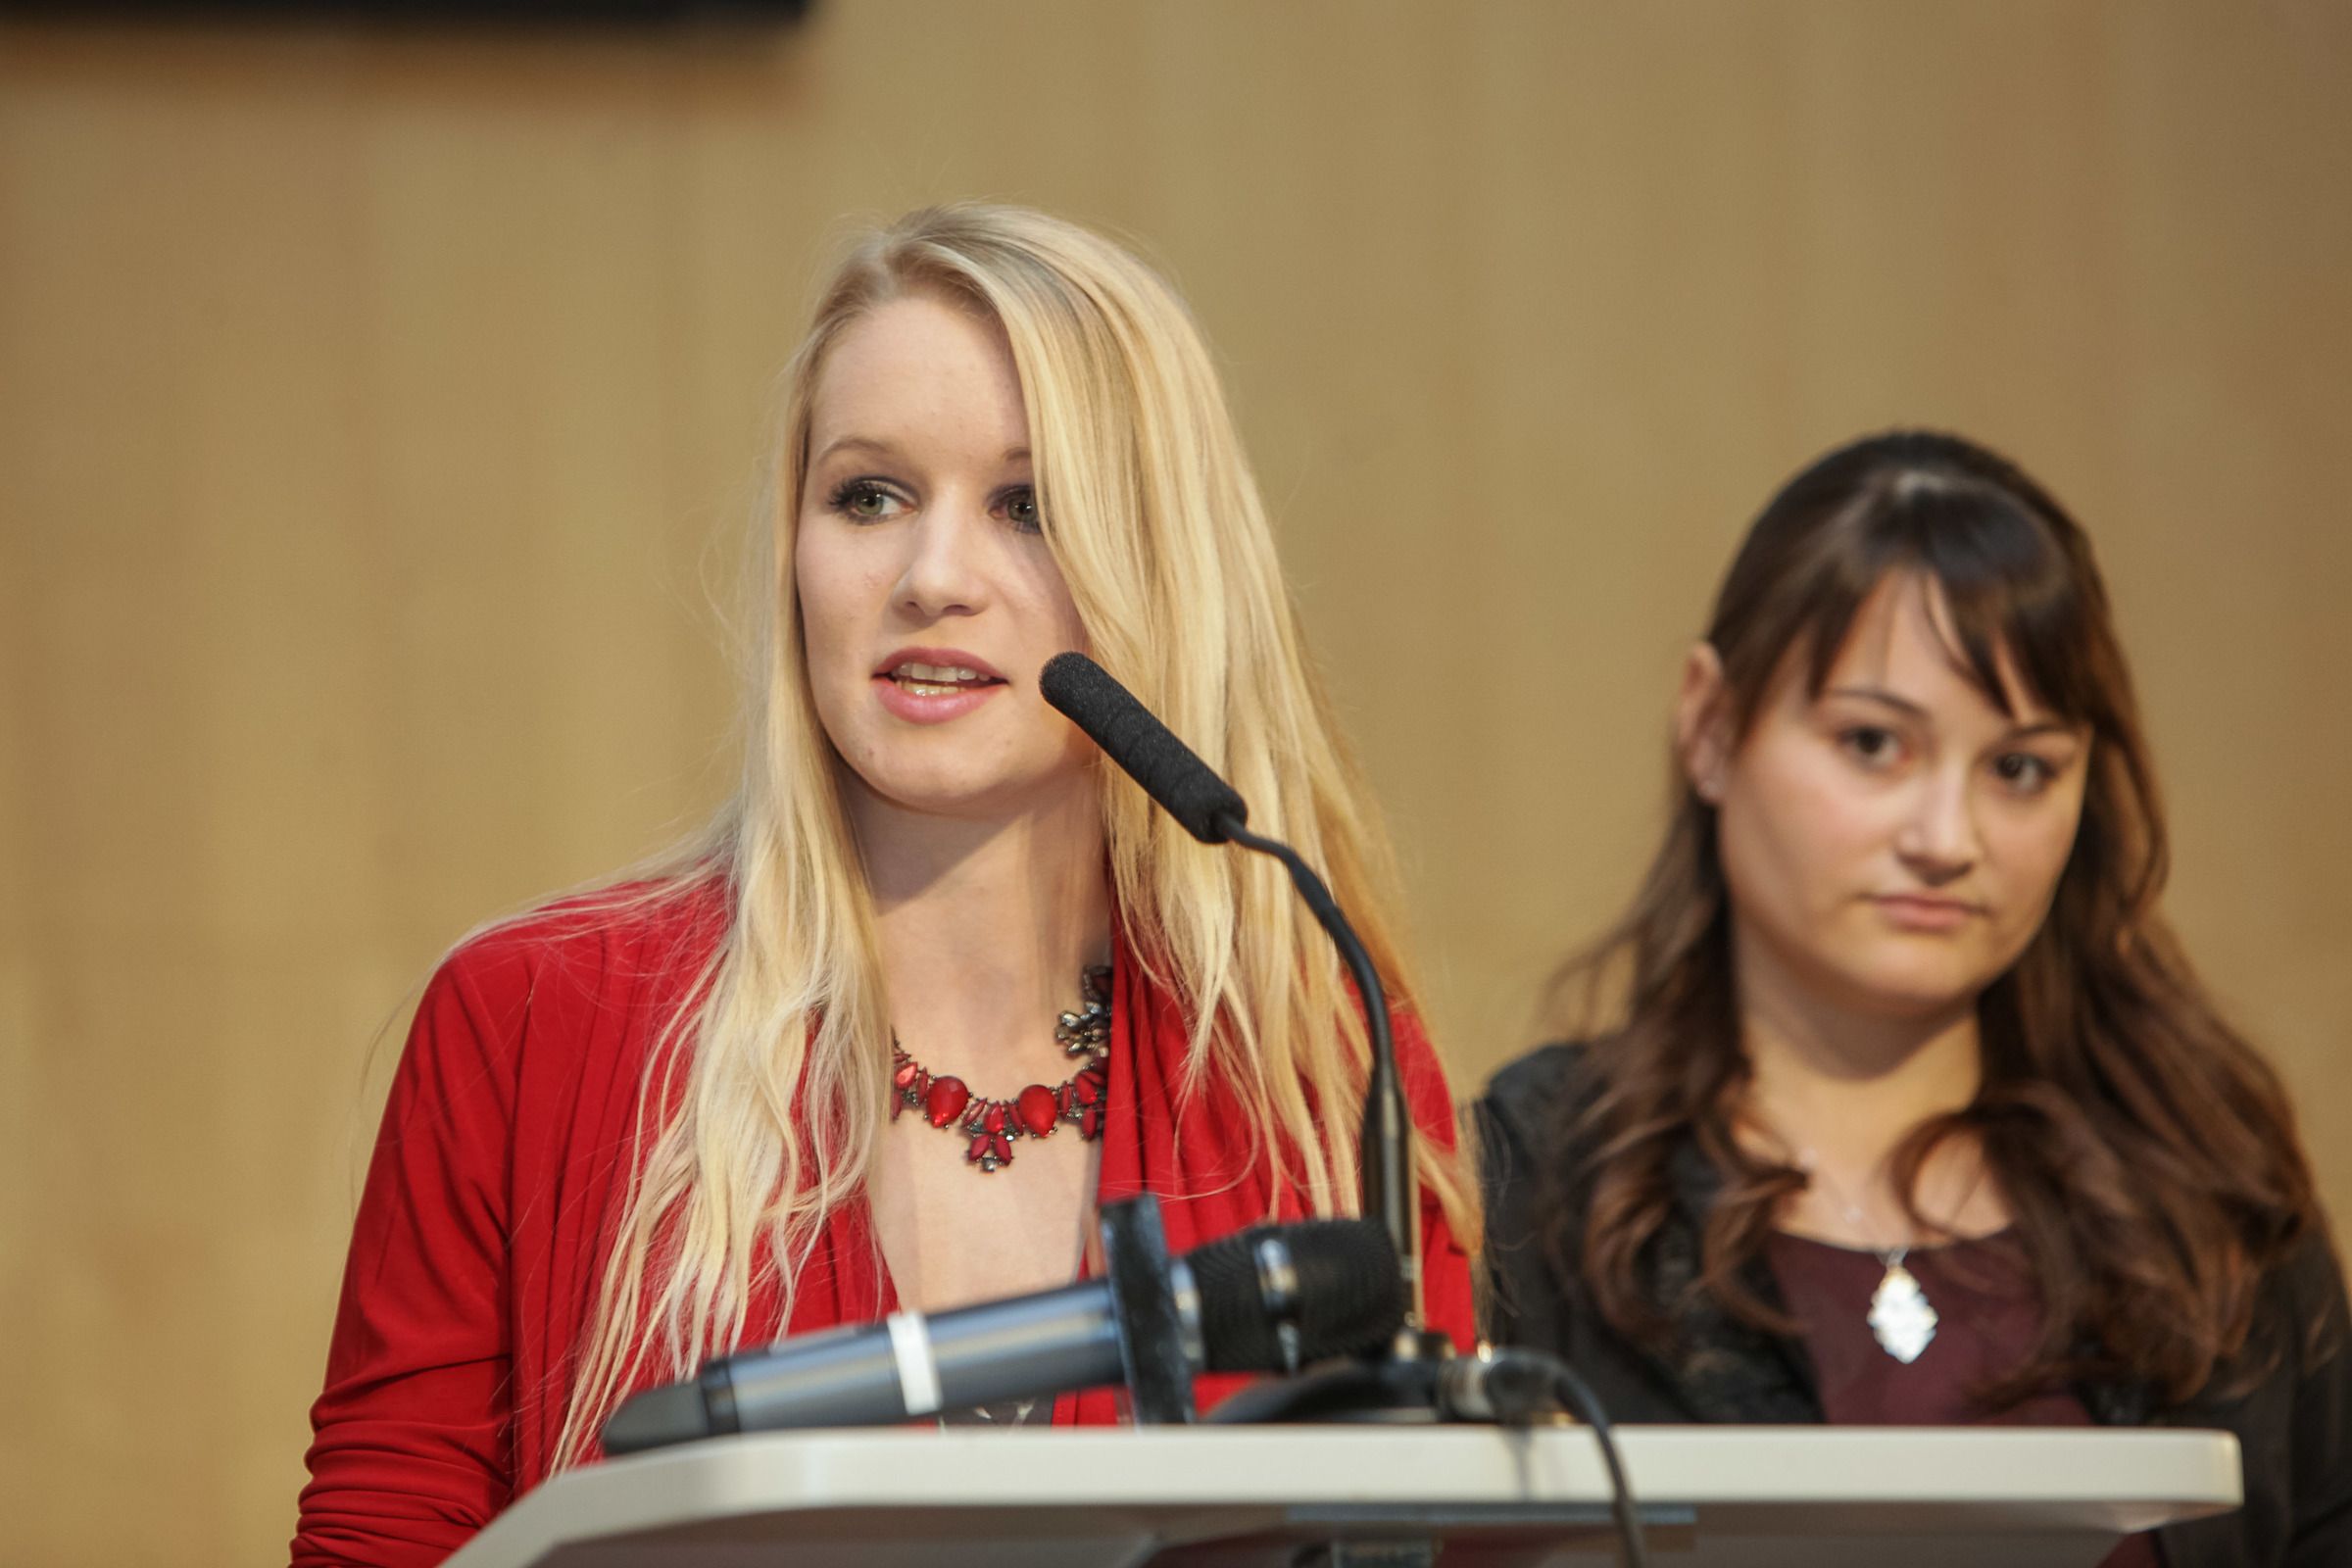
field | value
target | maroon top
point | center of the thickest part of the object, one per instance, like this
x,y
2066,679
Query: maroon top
x,y
1987,1316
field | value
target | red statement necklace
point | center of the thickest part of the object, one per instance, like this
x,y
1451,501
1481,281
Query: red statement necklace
x,y
1034,1112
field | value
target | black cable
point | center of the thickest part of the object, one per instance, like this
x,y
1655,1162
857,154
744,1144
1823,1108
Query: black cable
x,y
1514,1387
1579,1399
1505,1386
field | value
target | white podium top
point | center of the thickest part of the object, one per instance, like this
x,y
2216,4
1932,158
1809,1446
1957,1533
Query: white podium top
x,y
1719,1496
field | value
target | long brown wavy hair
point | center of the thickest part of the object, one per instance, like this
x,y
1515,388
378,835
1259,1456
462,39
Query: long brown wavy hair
x,y
2147,1153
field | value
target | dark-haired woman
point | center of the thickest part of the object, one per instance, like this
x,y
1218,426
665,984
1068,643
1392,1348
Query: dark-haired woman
x,y
1906,1108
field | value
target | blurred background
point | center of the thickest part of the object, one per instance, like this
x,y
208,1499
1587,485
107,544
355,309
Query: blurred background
x,y
379,411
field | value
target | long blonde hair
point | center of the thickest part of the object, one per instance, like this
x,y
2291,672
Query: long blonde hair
x,y
762,1103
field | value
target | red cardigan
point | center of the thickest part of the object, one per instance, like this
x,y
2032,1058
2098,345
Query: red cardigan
x,y
499,1177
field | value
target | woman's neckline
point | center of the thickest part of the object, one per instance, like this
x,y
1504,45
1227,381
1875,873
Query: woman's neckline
x,y
1913,1249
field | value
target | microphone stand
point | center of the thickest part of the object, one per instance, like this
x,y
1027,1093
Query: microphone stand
x,y
1385,1157
1420,1380
1402,1386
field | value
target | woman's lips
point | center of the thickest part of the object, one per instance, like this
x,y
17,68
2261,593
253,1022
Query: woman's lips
x,y
931,686
1911,911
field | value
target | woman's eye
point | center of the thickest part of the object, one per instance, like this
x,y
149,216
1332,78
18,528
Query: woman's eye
x,y
2024,773
1870,743
1019,506
866,500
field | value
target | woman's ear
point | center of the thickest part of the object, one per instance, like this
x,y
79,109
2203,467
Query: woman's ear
x,y
1702,723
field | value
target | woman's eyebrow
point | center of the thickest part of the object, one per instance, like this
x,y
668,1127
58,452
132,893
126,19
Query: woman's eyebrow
x,y
889,449
1904,705
856,443
1874,694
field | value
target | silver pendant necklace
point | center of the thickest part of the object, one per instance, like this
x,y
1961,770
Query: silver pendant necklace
x,y
1902,1317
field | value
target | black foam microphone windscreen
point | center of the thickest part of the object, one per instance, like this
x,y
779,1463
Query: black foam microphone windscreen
x,y
1169,771
1332,1286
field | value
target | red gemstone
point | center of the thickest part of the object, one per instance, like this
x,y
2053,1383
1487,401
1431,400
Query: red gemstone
x,y
1089,1125
995,1121
906,1075
1036,1110
978,1148
945,1098
1064,1097
1002,1147
1089,1085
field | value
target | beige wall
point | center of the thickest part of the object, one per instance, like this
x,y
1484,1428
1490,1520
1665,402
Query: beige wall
x,y
375,415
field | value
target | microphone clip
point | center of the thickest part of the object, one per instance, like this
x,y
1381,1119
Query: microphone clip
x,y
1156,1304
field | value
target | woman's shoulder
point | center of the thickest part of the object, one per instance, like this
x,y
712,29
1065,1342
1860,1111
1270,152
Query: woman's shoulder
x,y
633,948
2305,1305
628,929
1530,1096
1527,1121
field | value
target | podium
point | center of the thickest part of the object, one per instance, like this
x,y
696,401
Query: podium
x,y
1348,1496
1343,1496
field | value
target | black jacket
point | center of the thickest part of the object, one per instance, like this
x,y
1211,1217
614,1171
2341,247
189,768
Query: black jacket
x,y
2294,1426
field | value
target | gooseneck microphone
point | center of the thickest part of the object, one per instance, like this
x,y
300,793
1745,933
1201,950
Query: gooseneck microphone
x,y
1146,749
1213,811
1261,1300
1418,1372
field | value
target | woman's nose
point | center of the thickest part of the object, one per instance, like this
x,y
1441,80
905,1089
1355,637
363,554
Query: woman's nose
x,y
942,571
1939,840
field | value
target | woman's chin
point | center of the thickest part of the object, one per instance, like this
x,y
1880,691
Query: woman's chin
x,y
1912,989
960,794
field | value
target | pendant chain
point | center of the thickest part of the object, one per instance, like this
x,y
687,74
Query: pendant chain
x,y
1901,1318
1811,1163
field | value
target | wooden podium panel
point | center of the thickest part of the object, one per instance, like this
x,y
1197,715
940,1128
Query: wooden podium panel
x,y
1247,1496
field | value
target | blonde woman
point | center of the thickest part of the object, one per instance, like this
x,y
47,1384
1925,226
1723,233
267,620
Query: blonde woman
x,y
937,982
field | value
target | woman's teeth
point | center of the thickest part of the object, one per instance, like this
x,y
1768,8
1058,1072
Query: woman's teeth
x,y
936,680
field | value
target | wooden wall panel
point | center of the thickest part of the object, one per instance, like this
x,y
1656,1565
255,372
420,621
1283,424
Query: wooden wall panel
x,y
379,414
